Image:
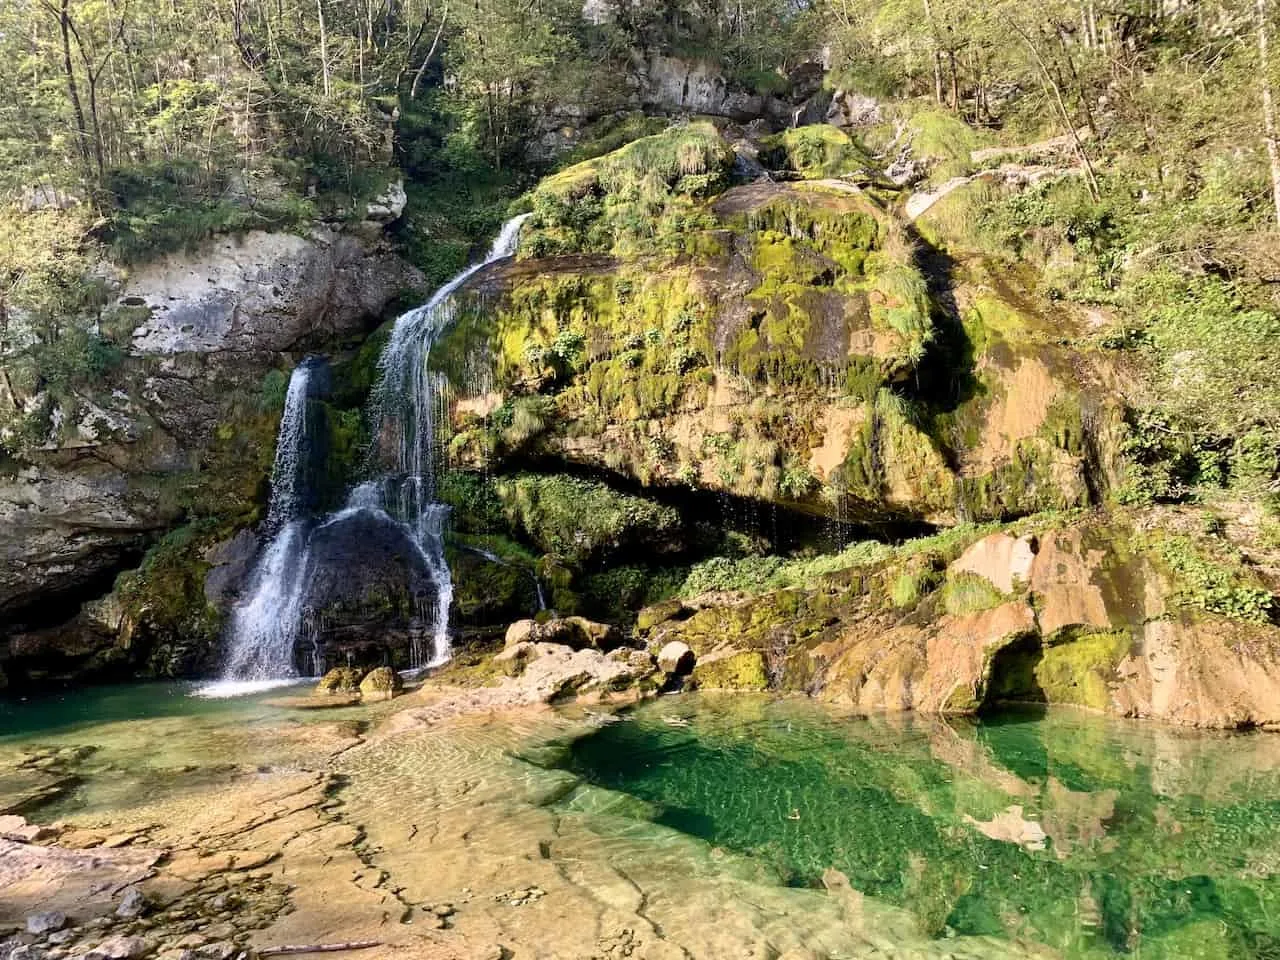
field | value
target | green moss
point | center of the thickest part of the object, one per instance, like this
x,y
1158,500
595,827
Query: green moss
x,y
640,198
1079,670
1220,585
737,671
899,299
164,600
580,521
965,593
815,152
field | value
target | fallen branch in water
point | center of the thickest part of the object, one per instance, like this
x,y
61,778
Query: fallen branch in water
x,y
319,948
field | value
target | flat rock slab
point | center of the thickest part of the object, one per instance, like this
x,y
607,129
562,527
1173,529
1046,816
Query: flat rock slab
x,y
314,702
79,883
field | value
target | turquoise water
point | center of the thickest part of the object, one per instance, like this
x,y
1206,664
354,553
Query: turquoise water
x,y
91,706
1091,836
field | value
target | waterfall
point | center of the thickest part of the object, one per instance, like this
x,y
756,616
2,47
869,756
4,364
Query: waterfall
x,y
408,406
264,624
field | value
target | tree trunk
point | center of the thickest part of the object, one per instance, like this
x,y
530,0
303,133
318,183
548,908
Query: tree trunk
x,y
1055,89
936,56
417,77
324,47
73,89
1268,105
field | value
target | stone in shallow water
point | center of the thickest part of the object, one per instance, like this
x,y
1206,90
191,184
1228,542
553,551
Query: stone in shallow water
x,y
380,684
119,948
46,922
132,904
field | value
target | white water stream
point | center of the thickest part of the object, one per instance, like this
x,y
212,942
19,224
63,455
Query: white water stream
x,y
409,404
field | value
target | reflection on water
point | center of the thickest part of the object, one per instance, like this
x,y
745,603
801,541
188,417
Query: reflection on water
x,y
1088,837
1092,836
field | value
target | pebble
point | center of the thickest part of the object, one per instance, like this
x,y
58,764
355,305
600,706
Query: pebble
x,y
46,922
443,910
218,950
119,948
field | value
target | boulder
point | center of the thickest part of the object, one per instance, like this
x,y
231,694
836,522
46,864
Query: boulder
x,y
521,631
676,658
387,206
340,680
579,633
119,948
576,633
382,683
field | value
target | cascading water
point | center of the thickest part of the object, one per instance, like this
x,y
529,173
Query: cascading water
x,y
408,405
399,505
264,624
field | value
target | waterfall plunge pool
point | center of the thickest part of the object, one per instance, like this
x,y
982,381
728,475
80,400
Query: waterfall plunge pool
x,y
1090,836
1046,834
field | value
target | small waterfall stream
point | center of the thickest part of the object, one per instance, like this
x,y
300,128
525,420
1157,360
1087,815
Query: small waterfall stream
x,y
264,624
407,407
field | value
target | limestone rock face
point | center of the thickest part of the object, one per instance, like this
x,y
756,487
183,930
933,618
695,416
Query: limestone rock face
x,y
182,414
1086,614
851,109
1001,559
263,292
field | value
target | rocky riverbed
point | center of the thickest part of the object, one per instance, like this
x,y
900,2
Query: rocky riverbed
x,y
416,827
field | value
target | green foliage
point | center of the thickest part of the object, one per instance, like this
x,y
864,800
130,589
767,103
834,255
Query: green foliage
x,y
640,197
275,387
815,152
615,595
165,597
1217,586
580,521
474,499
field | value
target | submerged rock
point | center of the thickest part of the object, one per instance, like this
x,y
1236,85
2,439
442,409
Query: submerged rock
x,y
49,922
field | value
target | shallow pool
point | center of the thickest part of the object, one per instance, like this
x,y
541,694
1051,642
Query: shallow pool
x,y
1091,836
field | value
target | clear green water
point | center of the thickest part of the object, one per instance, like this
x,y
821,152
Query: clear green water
x,y
64,712
1091,836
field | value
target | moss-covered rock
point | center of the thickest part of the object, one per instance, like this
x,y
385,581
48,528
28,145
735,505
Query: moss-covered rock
x,y
1089,613
381,683
797,346
744,670
340,680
